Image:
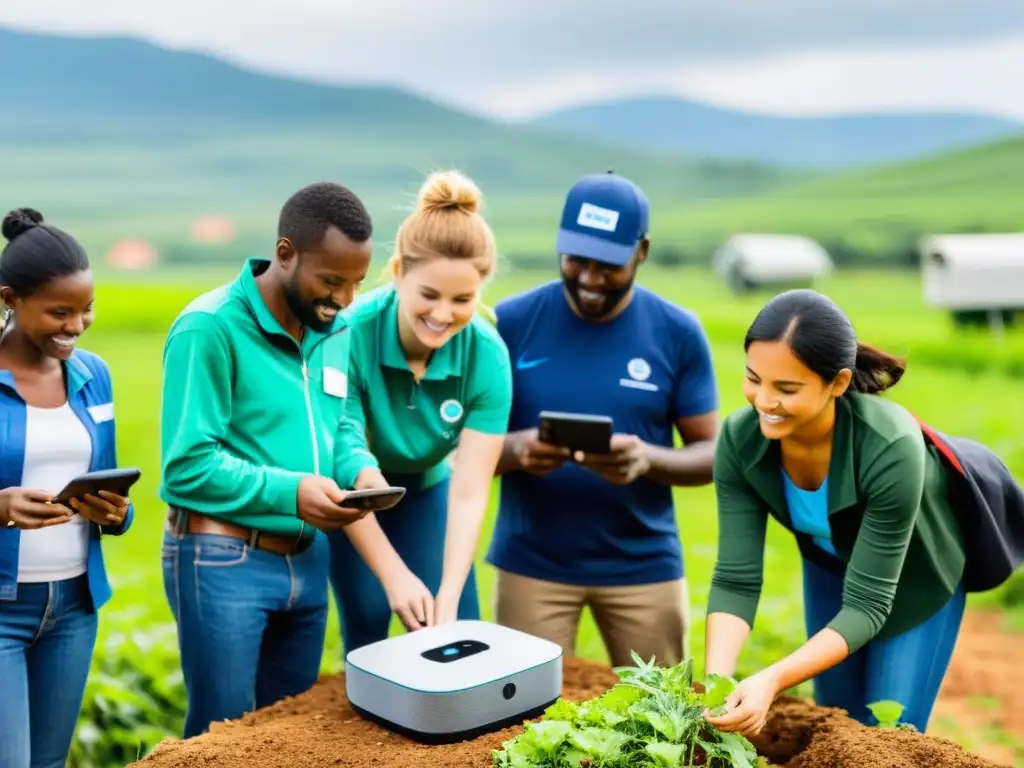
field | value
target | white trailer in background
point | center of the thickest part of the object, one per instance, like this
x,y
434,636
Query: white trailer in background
x,y
748,262
978,278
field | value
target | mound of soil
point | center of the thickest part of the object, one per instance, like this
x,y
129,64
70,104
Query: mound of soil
x,y
319,728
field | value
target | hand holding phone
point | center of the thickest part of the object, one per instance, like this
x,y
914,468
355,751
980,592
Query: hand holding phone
x,y
321,504
626,460
535,456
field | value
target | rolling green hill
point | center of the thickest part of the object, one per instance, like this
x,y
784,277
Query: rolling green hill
x,y
875,214
119,138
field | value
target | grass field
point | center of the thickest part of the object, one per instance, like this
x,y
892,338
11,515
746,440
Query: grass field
x,y
886,308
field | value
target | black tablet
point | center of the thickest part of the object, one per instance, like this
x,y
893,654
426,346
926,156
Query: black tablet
x,y
114,480
576,431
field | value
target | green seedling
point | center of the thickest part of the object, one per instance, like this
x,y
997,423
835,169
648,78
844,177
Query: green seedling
x,y
653,718
888,714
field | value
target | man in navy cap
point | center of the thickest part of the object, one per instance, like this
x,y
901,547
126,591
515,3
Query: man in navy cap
x,y
600,530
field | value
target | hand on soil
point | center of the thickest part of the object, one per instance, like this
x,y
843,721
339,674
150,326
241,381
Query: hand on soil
x,y
410,599
747,707
320,504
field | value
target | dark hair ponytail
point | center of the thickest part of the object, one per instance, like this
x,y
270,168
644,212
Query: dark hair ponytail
x,y
875,371
36,252
822,338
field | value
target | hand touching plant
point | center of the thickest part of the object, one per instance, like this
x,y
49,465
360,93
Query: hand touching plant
x,y
653,717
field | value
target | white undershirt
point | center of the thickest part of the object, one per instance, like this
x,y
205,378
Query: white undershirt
x,y
57,449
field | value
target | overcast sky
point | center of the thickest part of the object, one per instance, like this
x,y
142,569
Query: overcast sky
x,y
517,58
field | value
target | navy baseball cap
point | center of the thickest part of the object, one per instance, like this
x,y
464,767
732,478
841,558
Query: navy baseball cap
x,y
605,217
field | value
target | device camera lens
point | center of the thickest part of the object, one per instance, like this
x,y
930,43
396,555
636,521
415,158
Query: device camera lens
x,y
509,690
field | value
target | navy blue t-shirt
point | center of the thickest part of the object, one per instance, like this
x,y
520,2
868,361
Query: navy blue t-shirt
x,y
646,368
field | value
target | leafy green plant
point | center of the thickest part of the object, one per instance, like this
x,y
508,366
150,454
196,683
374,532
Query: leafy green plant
x,y
652,718
134,699
888,713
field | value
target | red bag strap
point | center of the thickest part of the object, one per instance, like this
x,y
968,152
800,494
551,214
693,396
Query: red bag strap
x,y
942,446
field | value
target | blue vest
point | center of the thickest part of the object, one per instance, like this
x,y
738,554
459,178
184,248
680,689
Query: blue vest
x,y
90,395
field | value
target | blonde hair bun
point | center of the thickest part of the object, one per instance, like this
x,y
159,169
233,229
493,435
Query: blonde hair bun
x,y
450,190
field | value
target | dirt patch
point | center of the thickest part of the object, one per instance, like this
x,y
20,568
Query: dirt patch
x,y
800,735
319,728
987,665
981,704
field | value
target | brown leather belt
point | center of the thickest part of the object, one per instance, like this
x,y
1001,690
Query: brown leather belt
x,y
268,542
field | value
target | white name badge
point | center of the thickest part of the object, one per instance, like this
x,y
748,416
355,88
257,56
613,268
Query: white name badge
x,y
101,413
335,382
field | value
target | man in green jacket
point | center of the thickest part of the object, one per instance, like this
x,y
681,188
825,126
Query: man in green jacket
x,y
254,459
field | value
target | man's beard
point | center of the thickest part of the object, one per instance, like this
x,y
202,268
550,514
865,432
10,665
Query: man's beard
x,y
306,313
611,302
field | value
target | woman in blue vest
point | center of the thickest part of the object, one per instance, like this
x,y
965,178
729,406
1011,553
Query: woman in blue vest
x,y
428,375
57,419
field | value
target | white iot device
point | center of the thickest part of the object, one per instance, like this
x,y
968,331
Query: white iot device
x,y
453,682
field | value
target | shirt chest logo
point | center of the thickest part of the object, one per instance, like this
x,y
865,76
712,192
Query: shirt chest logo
x,y
451,411
639,371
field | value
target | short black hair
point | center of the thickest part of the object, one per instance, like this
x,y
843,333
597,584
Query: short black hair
x,y
36,252
307,215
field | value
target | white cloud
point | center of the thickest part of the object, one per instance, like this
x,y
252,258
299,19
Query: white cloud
x,y
517,57
984,77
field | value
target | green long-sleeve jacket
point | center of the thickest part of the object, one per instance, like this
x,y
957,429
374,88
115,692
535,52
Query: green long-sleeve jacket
x,y
248,412
888,509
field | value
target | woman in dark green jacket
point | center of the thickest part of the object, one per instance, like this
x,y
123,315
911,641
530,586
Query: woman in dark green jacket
x,y
852,476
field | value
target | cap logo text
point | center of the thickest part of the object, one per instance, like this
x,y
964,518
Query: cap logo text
x,y
597,218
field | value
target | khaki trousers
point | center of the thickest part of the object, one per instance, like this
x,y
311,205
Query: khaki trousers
x,y
651,619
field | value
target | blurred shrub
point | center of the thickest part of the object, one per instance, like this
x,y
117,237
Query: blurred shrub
x,y
134,699
974,353
141,308
1012,592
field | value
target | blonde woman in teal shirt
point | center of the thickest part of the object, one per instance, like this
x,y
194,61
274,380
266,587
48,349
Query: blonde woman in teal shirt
x,y
428,375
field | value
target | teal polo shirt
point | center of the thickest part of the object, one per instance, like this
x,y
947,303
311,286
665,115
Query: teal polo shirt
x,y
410,426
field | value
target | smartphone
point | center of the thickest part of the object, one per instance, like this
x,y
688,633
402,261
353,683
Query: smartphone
x,y
374,499
114,480
576,431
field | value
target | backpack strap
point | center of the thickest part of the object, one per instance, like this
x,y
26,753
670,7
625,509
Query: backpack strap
x,y
941,446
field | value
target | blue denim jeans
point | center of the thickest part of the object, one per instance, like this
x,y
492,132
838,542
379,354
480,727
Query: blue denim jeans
x,y
416,529
47,637
908,668
251,623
